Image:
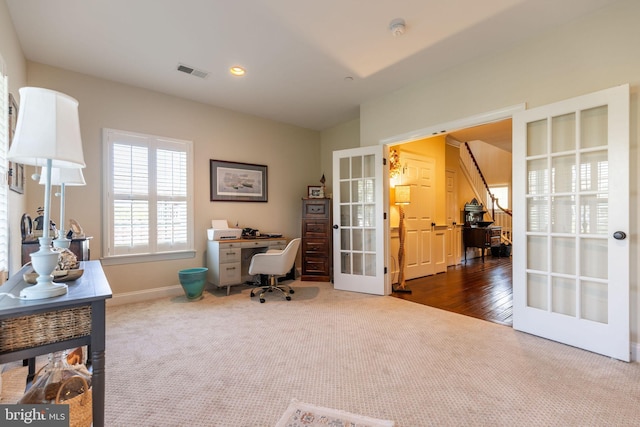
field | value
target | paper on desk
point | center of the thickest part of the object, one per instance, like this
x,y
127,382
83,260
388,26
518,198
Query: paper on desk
x,y
219,224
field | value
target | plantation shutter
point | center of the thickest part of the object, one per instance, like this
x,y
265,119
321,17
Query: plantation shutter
x,y
131,198
148,194
171,169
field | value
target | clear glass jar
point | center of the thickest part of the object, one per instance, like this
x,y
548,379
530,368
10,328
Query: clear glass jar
x,y
50,379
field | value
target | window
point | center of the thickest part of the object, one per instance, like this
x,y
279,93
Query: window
x,y
4,147
500,192
149,202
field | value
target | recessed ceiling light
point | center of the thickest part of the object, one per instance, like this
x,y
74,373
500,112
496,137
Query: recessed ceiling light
x,y
237,70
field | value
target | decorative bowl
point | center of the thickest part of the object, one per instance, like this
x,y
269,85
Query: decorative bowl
x,y
58,276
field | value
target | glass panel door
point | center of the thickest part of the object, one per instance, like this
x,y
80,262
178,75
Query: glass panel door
x,y
565,287
359,230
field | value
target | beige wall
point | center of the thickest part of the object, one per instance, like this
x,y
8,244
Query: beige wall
x,y
290,153
341,137
593,53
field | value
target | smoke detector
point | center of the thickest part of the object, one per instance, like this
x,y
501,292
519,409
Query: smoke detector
x,y
397,27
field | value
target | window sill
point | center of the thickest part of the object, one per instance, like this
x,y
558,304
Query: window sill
x,y
140,258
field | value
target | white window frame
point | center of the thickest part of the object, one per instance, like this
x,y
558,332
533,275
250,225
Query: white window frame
x,y
4,187
492,188
152,252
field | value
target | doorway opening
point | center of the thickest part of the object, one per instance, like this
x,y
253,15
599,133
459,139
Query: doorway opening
x,y
480,288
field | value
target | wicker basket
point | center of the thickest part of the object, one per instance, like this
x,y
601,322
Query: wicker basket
x,y
44,328
80,407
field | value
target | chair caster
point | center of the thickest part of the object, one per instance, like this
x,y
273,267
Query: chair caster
x,y
261,299
291,291
288,298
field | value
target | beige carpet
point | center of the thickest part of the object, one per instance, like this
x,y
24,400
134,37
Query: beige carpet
x,y
231,361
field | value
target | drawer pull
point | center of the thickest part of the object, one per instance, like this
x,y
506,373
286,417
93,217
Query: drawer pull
x,y
231,268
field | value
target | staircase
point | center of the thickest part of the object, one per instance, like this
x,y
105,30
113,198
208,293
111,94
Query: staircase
x,y
500,217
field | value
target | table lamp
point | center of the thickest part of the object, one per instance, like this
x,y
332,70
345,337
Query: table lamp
x,y
47,134
63,178
403,197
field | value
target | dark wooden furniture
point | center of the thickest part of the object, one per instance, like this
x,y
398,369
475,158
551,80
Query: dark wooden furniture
x,y
316,240
85,300
79,247
480,237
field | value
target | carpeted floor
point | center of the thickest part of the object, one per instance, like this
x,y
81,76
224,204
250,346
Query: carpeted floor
x,y
231,361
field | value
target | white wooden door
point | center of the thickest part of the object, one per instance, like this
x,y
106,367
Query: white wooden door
x,y
453,217
571,218
360,230
419,173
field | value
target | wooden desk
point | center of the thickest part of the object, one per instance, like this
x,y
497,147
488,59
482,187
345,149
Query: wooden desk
x,y
481,238
228,260
86,297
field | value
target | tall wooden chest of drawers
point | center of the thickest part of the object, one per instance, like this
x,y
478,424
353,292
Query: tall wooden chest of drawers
x,y
316,240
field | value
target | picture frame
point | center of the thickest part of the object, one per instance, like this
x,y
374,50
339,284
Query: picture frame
x,y
15,173
237,182
314,192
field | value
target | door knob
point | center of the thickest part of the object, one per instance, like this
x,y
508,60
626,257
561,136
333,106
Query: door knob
x,y
619,235
335,226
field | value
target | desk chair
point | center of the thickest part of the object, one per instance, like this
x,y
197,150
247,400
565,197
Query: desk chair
x,y
275,263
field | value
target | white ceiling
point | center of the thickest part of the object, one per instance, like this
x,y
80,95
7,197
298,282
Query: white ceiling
x,y
297,52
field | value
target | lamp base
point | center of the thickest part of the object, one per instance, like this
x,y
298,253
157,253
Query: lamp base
x,y
399,289
43,290
62,243
44,263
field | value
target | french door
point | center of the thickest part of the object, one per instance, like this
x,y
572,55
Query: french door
x,y
360,230
571,221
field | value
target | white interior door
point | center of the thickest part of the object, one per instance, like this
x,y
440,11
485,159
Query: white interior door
x,y
453,215
360,230
571,257
421,245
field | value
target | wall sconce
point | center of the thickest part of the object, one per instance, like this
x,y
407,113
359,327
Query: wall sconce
x,y
47,134
403,198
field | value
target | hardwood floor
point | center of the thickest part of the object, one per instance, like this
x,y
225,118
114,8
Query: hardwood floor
x,y
478,289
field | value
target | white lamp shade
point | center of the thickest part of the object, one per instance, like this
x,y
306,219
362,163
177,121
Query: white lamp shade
x,y
48,128
403,194
65,176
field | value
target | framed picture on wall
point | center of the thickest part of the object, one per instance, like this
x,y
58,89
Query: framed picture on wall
x,y
237,182
16,170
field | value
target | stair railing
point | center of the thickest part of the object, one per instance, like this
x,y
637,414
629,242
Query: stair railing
x,y
471,169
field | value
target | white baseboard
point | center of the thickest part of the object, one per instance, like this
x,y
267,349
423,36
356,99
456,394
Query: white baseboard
x,y
146,295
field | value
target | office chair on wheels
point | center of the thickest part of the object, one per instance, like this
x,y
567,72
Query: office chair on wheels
x,y
275,263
